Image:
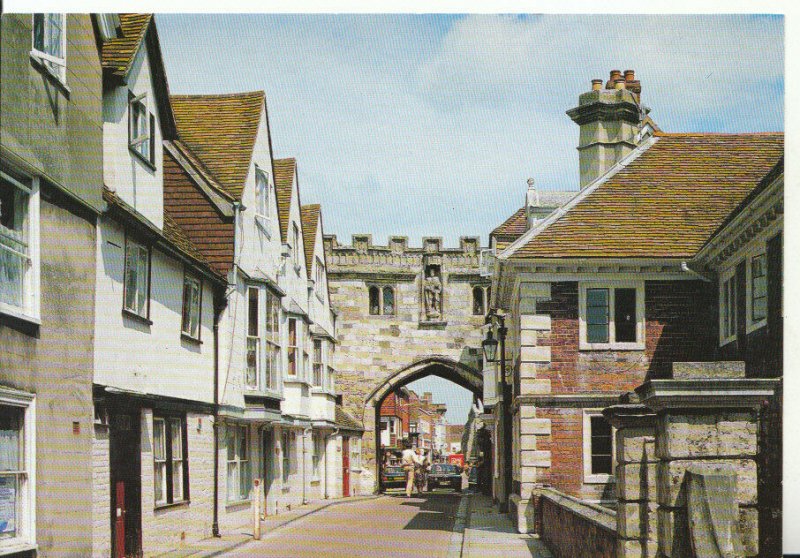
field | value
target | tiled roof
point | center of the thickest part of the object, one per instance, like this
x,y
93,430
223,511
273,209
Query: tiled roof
x,y
221,130
171,237
118,54
309,216
284,179
345,421
664,204
515,226
201,169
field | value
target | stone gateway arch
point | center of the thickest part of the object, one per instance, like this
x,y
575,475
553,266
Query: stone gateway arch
x,y
404,313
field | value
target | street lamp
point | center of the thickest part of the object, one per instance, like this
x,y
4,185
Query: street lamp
x,y
490,352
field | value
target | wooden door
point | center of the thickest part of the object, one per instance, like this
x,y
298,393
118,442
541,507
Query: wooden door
x,y
119,520
345,466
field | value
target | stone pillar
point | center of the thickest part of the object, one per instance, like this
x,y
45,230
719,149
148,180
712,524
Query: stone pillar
x,y
636,479
708,424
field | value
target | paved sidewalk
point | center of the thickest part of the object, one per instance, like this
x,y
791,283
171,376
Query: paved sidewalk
x,y
489,533
214,546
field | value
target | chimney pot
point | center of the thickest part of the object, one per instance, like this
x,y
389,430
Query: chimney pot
x,y
629,75
613,76
619,83
597,84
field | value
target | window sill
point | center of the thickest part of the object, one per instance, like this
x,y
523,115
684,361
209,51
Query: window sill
x,y
598,479
144,160
54,79
583,346
188,338
20,315
12,547
755,326
182,503
134,316
727,341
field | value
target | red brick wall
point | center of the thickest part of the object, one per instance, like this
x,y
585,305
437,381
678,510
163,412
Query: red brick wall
x,y
396,406
210,232
569,535
677,314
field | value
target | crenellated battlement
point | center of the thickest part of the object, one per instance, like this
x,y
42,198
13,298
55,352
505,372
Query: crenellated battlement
x,y
361,251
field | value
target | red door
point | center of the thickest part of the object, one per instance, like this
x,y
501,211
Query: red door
x,y
119,521
345,466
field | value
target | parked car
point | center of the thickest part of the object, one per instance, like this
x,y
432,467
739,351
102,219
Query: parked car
x,y
393,477
444,475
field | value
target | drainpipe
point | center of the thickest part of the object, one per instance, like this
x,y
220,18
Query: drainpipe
x,y
305,469
215,521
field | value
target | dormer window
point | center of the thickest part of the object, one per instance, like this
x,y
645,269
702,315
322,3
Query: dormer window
x,y
141,125
262,200
49,43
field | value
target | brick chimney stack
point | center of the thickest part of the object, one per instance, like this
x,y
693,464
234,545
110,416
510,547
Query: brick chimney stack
x,y
610,119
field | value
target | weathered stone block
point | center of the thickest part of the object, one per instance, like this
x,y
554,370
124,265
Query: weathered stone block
x,y
537,322
535,354
527,474
671,487
530,386
534,290
538,426
535,458
637,520
528,338
628,548
527,442
714,435
710,370
636,445
748,529
636,481
528,370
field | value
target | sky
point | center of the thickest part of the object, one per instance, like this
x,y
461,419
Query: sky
x,y
430,125
457,398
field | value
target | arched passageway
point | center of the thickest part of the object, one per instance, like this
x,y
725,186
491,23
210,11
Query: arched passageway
x,y
443,367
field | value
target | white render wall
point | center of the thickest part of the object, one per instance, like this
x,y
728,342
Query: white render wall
x,y
131,355
101,492
319,308
124,172
167,528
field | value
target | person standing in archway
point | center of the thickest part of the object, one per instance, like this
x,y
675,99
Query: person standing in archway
x,y
410,462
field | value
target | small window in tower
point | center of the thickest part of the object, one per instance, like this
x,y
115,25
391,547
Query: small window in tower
x,y
478,307
388,300
374,301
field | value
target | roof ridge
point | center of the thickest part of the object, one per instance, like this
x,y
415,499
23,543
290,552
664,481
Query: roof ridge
x,y
258,92
712,134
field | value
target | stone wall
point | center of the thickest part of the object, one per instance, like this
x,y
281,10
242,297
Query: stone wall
x,y
571,528
374,348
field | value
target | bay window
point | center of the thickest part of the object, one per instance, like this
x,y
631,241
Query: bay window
x,y
272,340
239,466
170,466
291,348
318,380
611,316
253,339
50,43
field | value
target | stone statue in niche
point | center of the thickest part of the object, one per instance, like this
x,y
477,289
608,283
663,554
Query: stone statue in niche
x,y
433,293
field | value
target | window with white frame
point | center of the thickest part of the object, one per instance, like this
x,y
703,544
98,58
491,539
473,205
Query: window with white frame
x,y
296,247
192,297
318,379
170,466
317,455
612,316
319,282
137,278
291,348
141,128
758,288
285,454
17,470
262,200
727,306
355,453
239,470
19,244
50,43
272,349
253,339
598,447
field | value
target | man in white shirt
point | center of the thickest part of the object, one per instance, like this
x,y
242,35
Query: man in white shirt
x,y
409,460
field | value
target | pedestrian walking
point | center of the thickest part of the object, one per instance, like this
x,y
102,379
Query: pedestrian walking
x,y
410,462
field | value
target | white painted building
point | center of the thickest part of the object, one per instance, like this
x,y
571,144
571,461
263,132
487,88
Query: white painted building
x,y
154,324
